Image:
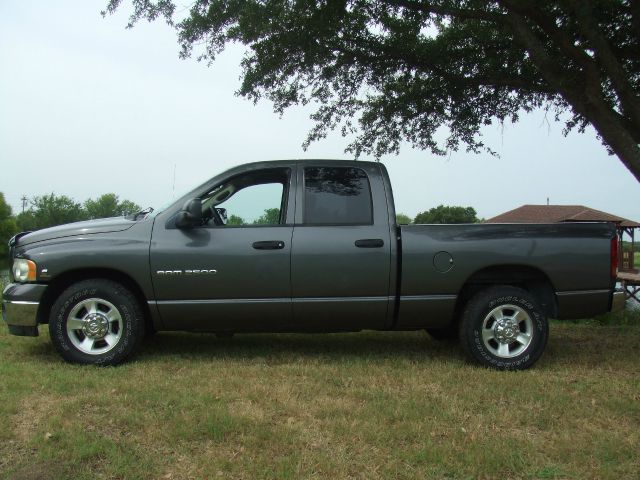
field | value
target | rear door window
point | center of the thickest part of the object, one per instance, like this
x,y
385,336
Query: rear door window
x,y
337,196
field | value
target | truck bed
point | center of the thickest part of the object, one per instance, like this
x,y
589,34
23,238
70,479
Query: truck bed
x,y
569,260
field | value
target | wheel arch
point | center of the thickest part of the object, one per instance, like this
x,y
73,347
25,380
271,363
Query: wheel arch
x,y
61,282
529,278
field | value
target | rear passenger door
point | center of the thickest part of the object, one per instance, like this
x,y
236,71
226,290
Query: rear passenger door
x,y
340,264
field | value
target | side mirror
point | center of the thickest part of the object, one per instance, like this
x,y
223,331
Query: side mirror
x,y
191,214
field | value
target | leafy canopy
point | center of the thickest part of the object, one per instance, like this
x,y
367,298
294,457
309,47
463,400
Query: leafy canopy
x,y
447,214
108,205
402,219
271,216
388,71
8,227
50,210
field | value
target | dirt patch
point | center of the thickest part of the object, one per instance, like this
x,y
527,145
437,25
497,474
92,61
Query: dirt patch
x,y
247,409
40,471
35,411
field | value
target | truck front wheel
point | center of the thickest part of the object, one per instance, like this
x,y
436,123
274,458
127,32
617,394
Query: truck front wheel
x,y
503,327
96,321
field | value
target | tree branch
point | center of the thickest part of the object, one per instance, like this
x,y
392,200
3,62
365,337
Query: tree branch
x,y
592,106
461,13
562,40
629,101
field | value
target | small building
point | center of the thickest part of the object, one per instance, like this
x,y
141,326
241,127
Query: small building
x,y
574,213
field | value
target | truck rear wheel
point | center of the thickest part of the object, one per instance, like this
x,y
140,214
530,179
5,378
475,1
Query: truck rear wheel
x,y
97,322
503,327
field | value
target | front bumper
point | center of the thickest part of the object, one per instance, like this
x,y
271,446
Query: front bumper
x,y
20,302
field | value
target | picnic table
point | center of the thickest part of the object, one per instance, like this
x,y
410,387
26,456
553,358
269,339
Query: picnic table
x,y
630,280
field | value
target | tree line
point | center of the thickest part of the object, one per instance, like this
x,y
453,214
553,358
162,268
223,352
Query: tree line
x,y
441,214
50,210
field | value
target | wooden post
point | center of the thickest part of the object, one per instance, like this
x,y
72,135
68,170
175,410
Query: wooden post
x,y
633,249
620,248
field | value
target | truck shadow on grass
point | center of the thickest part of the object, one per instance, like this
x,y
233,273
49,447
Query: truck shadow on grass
x,y
336,346
569,345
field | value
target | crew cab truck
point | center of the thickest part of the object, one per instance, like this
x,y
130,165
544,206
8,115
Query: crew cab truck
x,y
305,246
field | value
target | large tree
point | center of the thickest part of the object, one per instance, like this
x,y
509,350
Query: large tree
x,y
402,219
109,205
395,70
447,214
8,228
49,210
271,216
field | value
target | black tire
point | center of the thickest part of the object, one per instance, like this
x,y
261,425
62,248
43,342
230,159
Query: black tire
x,y
446,334
494,335
109,319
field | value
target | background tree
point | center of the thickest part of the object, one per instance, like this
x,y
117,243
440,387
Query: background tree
x,y
271,216
8,228
49,210
108,205
398,70
402,219
235,220
447,214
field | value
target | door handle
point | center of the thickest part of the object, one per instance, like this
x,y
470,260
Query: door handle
x,y
269,245
369,243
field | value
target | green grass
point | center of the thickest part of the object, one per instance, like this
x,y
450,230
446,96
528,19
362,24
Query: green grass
x,y
628,317
366,405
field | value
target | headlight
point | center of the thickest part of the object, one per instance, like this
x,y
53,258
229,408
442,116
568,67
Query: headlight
x,y
24,270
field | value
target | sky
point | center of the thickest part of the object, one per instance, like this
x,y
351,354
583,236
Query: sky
x,y
88,107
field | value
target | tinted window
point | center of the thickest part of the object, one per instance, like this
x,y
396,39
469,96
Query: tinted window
x,y
337,196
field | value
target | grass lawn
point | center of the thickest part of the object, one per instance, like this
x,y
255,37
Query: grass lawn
x,y
365,405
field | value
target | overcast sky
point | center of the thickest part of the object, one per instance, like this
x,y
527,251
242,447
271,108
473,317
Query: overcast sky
x,y
88,107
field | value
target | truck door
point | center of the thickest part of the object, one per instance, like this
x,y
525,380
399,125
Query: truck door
x,y
233,272
341,255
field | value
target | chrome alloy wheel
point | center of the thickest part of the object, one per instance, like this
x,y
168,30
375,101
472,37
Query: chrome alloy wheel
x,y
507,331
94,326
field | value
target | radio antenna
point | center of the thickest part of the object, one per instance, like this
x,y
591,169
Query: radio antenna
x,y
173,190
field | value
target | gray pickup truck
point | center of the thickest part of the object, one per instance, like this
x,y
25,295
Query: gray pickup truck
x,y
305,246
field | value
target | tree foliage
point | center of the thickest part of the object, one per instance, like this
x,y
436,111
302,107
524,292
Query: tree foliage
x,y
402,219
49,210
271,216
447,214
8,227
389,71
108,205
235,220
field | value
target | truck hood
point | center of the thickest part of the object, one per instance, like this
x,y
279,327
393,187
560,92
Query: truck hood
x,y
89,227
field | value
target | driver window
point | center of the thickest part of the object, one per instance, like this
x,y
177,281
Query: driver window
x,y
254,200
254,205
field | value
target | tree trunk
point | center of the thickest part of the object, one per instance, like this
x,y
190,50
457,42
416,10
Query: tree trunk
x,y
586,98
616,137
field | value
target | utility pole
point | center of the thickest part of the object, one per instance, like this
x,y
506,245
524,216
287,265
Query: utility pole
x,y
24,202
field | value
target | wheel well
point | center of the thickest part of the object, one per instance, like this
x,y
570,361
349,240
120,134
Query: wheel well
x,y
528,278
66,279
